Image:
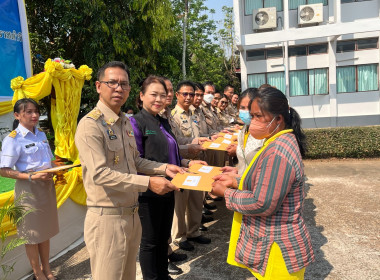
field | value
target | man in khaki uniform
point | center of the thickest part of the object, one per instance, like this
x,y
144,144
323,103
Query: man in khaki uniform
x,y
212,157
189,147
231,110
188,204
212,120
110,162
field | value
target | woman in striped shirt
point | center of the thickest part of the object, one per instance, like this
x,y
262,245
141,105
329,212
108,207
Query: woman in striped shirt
x,y
268,235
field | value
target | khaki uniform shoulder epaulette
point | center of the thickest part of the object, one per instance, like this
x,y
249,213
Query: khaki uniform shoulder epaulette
x,y
173,112
40,129
13,134
94,114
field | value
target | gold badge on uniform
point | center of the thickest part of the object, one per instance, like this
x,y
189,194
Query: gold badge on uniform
x,y
130,133
116,160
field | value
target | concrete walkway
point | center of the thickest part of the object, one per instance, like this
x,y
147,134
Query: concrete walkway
x,y
342,211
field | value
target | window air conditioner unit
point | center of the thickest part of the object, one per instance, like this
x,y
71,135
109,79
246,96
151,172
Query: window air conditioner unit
x,y
264,18
310,14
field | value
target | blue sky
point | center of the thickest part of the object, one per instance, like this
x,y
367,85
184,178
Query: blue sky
x,y
217,6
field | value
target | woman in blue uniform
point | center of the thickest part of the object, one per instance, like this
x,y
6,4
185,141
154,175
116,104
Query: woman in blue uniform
x,y
27,149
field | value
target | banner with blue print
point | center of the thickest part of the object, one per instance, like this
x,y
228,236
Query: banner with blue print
x,y
15,57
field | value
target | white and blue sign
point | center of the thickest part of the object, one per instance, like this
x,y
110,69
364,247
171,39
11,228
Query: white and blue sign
x,y
13,50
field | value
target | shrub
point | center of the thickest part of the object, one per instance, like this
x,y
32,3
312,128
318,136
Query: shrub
x,y
16,213
343,142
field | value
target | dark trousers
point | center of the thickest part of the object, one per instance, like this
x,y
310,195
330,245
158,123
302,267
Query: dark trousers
x,y
156,215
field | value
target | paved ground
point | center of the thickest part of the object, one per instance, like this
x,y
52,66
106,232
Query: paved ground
x,y
342,211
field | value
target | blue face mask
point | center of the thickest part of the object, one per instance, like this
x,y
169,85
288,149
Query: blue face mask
x,y
245,116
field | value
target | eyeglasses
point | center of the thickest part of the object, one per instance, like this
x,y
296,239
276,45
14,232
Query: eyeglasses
x,y
114,84
185,94
223,102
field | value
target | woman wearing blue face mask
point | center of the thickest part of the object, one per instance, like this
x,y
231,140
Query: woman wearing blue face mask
x,y
247,145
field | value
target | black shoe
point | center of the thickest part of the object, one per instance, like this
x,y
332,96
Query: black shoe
x,y
173,269
209,206
206,219
206,212
203,228
177,257
200,239
186,245
208,197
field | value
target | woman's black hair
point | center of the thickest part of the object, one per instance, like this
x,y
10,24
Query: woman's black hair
x,y
250,92
20,106
275,102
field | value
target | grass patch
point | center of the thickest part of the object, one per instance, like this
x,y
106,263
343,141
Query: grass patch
x,y
6,184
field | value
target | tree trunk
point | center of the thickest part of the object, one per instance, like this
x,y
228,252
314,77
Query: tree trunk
x,y
184,39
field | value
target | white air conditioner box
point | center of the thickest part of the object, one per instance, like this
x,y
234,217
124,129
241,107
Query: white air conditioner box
x,y
264,18
310,14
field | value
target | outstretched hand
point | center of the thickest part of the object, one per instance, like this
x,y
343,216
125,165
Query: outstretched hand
x,y
226,180
160,185
222,183
172,170
192,162
229,170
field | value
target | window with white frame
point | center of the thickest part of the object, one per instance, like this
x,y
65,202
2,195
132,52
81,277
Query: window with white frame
x,y
275,79
251,5
357,45
308,82
350,1
302,50
262,54
357,78
293,4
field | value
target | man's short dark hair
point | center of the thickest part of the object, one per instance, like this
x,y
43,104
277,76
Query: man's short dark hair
x,y
209,83
112,64
199,86
227,87
185,84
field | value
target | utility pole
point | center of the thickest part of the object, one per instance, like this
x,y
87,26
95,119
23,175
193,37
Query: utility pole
x,y
184,39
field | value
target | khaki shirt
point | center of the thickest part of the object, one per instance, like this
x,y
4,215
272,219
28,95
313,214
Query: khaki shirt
x,y
110,160
211,119
201,121
232,111
223,117
186,122
181,140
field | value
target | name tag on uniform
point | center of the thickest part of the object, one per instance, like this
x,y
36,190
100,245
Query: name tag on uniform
x,y
30,145
112,137
130,133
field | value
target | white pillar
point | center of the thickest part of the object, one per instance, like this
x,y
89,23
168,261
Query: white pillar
x,y
337,11
332,82
286,14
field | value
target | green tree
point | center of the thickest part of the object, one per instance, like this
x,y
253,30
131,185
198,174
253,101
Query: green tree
x,y
94,32
146,34
227,42
204,57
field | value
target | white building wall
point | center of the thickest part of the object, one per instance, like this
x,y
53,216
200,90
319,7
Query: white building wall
x,y
333,109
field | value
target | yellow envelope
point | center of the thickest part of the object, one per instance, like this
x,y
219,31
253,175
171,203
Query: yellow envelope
x,y
199,178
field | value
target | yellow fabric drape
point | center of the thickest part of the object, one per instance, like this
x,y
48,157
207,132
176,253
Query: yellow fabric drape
x,y
238,217
68,85
5,107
